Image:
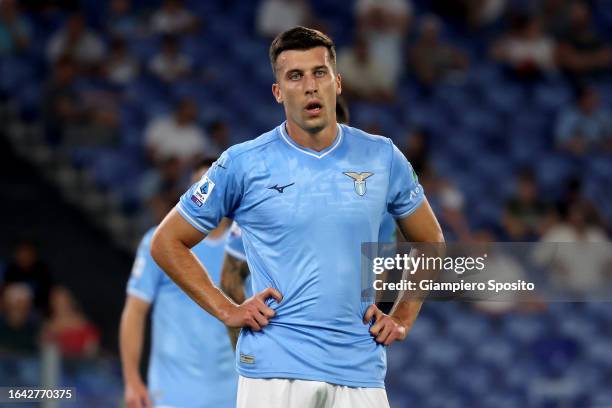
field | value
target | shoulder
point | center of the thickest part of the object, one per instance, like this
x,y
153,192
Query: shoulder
x,y
357,135
242,151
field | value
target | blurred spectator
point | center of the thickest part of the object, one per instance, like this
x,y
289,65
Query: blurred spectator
x,y
68,328
525,49
62,104
585,126
121,22
445,198
18,327
581,267
503,266
27,268
121,67
449,202
219,133
170,64
581,50
432,60
362,77
178,135
15,31
173,18
78,42
554,15
384,24
574,195
78,118
161,187
525,215
276,16
473,14
417,149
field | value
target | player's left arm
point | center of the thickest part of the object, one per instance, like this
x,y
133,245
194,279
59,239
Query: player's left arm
x,y
420,226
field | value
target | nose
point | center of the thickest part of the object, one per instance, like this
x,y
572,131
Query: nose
x,y
311,84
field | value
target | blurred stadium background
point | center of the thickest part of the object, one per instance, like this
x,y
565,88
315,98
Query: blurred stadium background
x,y
502,106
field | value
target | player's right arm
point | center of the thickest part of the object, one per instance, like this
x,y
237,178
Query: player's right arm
x,y
131,335
199,210
171,249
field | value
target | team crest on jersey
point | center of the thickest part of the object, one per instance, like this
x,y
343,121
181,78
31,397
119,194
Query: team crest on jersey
x,y
360,181
202,191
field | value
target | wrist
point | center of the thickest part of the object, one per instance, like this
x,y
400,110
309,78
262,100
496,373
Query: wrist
x,y
133,379
225,311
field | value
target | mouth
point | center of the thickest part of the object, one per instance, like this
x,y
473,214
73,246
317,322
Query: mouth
x,y
314,108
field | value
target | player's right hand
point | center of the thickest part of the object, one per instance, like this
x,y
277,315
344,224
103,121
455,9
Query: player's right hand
x,y
136,395
253,312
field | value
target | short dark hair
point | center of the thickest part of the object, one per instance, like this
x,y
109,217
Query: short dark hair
x,y
301,38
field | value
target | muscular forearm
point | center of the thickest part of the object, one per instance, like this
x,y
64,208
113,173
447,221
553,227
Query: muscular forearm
x,y
189,274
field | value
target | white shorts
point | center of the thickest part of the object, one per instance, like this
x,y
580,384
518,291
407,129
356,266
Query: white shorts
x,y
287,393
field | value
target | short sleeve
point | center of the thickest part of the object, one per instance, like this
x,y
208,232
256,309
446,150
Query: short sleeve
x,y
405,194
146,275
215,196
234,245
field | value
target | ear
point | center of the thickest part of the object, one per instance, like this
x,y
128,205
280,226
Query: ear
x,y
338,84
277,93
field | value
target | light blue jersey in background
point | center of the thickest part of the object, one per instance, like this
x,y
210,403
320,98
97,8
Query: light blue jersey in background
x,y
192,361
303,216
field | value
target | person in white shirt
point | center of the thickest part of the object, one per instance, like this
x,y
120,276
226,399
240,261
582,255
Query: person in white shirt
x,y
173,18
385,24
363,76
276,16
178,135
580,261
170,64
76,41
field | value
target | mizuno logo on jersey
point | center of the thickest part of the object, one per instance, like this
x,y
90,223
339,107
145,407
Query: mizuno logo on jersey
x,y
360,181
280,189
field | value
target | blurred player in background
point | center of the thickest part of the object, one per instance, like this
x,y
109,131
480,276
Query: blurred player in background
x,y
300,196
191,363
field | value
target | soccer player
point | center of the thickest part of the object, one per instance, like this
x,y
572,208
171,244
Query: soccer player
x,y
235,274
191,363
306,195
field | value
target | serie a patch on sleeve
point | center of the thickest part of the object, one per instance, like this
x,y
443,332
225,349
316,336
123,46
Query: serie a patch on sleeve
x,y
202,191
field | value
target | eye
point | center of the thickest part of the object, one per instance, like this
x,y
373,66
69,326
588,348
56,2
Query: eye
x,y
294,76
320,73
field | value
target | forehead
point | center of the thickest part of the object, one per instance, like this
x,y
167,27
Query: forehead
x,y
302,59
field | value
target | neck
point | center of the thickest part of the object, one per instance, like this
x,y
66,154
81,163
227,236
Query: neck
x,y
316,141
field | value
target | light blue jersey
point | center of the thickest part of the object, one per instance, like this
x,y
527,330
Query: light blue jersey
x,y
303,216
192,362
235,247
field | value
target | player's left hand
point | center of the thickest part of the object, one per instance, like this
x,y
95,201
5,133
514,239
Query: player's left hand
x,y
386,329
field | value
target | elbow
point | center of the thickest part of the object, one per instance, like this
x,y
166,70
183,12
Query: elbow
x,y
156,247
439,237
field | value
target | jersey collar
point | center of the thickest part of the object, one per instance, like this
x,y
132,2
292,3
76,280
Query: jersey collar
x,y
310,152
